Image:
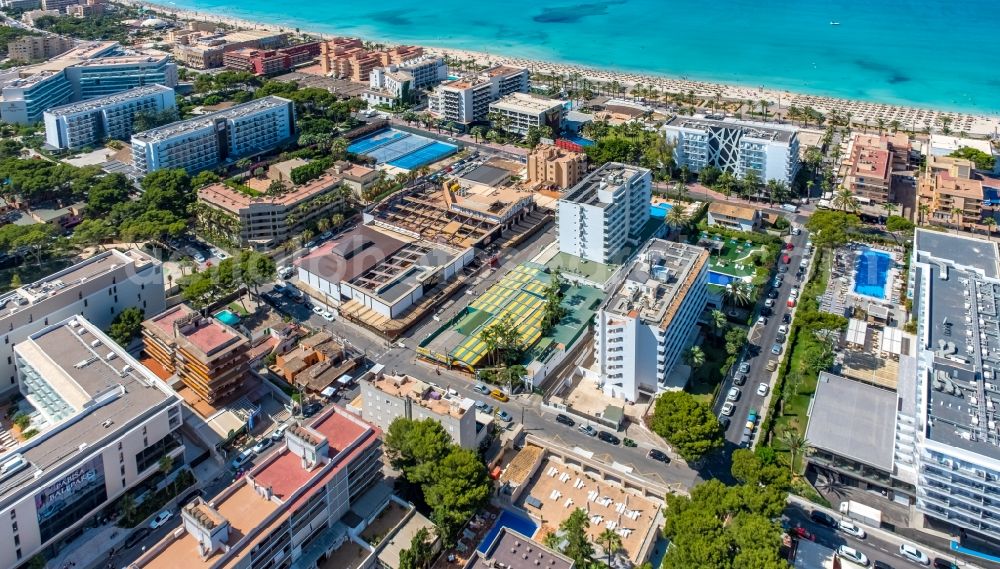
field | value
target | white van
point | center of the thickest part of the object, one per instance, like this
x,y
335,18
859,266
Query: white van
x,y
241,459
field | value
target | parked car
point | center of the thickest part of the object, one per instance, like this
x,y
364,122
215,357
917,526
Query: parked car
x,y
762,320
769,303
881,565
783,329
659,455
823,518
772,293
762,389
279,433
752,416
913,554
780,338
776,349
740,379
588,430
609,438
745,367
789,246
734,394
137,536
327,315
560,418
853,555
727,408
944,564
802,533
725,422
262,445
484,407
161,519
772,365
504,416
850,528
782,270
311,409
499,395
241,459
745,439
481,388
786,318
317,309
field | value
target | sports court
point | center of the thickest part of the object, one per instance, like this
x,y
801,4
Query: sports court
x,y
401,149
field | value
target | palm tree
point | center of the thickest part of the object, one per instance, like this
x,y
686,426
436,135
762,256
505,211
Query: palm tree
x,y
959,213
889,208
798,445
694,357
924,210
738,293
844,200
717,319
894,125
989,223
127,506
676,217
610,541
880,122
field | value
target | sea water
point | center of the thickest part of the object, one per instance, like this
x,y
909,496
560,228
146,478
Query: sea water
x,y
929,53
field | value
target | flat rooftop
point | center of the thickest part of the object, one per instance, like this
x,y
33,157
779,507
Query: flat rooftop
x,y
658,280
90,379
351,255
68,280
957,298
853,419
101,102
608,178
245,507
511,549
420,392
527,103
208,121
760,131
233,200
423,210
404,269
189,329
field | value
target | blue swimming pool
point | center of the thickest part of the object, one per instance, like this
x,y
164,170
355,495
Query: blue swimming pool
x,y
401,149
872,272
659,211
517,522
720,279
227,317
425,155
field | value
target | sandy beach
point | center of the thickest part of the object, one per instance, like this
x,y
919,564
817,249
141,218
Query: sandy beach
x,y
861,112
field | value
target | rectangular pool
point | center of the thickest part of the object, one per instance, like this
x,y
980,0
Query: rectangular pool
x,y
660,210
227,317
872,272
517,522
720,279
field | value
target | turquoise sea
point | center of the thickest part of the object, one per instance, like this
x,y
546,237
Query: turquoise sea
x,y
930,53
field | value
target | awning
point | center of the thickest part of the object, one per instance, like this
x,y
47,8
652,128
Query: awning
x,y
329,391
892,341
857,331
344,379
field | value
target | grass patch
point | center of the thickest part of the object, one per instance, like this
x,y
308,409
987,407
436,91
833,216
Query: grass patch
x,y
239,310
30,272
706,380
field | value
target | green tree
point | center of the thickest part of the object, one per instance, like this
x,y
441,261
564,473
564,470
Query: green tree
x,y
459,489
93,232
831,229
694,357
797,445
719,322
687,424
106,193
416,447
575,541
982,160
899,224
844,200
126,325
420,553
168,190
611,542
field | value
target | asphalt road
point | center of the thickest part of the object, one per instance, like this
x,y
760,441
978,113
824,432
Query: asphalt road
x,y
758,352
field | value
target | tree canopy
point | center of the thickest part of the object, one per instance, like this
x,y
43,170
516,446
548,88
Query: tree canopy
x,y
982,160
415,447
832,229
126,325
687,424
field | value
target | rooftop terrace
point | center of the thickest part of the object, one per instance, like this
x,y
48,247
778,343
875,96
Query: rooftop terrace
x,y
419,392
189,329
760,131
598,187
208,121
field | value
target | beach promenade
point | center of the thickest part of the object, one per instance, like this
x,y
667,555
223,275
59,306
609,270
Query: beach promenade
x,y
860,112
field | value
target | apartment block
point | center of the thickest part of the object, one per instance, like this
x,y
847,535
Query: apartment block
x,y
206,50
386,398
97,289
735,146
869,164
266,221
206,141
86,9
947,442
207,355
394,83
60,5
21,4
644,327
91,70
605,212
468,99
954,192
270,62
103,422
90,122
347,58
554,167
521,111
293,509
34,48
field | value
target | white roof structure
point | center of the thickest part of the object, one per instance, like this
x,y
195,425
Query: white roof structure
x,y
857,331
941,144
892,341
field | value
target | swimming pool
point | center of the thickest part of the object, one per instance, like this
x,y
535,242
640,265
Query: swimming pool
x,y
227,317
517,522
721,279
872,272
401,149
659,211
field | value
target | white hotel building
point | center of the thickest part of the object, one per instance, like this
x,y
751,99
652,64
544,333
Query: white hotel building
x,y
644,327
605,212
104,421
206,141
468,99
97,289
523,111
87,123
735,146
